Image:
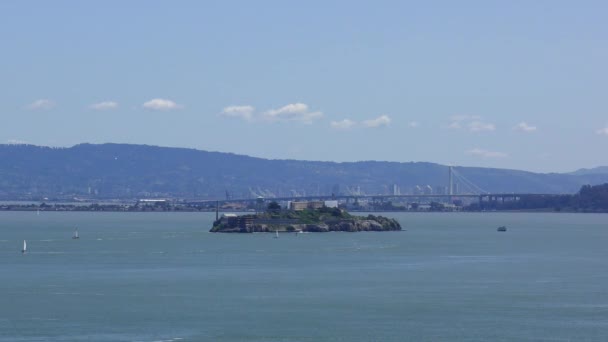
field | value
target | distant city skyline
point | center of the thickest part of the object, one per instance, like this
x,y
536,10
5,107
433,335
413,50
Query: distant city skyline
x,y
510,85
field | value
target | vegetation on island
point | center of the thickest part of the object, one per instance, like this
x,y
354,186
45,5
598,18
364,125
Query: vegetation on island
x,y
309,220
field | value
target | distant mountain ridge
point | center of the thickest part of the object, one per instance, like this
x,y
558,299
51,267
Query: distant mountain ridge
x,y
592,171
134,171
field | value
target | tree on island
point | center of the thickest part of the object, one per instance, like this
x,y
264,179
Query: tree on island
x,y
274,206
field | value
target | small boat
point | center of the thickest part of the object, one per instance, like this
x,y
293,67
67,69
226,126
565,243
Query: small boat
x,y
24,247
75,235
502,229
276,232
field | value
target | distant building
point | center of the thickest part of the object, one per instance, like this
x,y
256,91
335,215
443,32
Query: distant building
x,y
396,190
450,207
298,206
152,202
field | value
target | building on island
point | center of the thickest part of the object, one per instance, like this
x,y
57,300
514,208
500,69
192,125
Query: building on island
x,y
299,206
331,204
238,221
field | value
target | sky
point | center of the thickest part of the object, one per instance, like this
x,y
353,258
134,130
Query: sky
x,y
508,84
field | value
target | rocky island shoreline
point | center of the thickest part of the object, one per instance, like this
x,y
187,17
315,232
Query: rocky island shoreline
x,y
322,219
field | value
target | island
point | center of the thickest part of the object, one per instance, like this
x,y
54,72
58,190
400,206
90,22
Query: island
x,y
302,217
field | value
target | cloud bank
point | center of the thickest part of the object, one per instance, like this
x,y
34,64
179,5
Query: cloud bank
x,y
343,124
16,142
478,152
41,104
380,121
241,112
478,126
292,112
161,104
525,127
105,105
471,122
346,124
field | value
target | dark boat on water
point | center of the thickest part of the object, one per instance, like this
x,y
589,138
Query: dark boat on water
x,y
502,229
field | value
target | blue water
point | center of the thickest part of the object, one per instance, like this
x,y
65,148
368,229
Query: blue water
x,y
161,276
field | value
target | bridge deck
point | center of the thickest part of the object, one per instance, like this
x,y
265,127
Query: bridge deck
x,y
379,197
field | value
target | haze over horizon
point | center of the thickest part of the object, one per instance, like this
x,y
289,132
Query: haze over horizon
x,y
513,85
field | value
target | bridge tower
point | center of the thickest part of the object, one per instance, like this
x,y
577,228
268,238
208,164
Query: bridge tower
x,y
451,182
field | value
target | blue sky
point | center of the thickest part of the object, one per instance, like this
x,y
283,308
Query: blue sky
x,y
513,84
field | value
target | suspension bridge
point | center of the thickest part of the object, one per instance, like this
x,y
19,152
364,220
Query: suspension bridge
x,y
466,189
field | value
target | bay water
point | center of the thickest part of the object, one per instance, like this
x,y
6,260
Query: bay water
x,y
163,277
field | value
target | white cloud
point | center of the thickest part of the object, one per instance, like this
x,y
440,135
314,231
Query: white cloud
x,y
602,131
242,112
380,121
16,142
343,124
478,152
414,124
470,121
346,124
161,104
105,105
525,127
455,125
478,126
292,112
41,104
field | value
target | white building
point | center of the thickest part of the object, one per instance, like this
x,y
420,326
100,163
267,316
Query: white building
x,y
331,204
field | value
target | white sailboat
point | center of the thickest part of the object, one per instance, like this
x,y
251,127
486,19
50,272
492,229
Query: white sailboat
x,y
24,247
75,235
276,236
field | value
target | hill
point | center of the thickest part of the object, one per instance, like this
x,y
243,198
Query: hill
x,y
133,171
591,171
